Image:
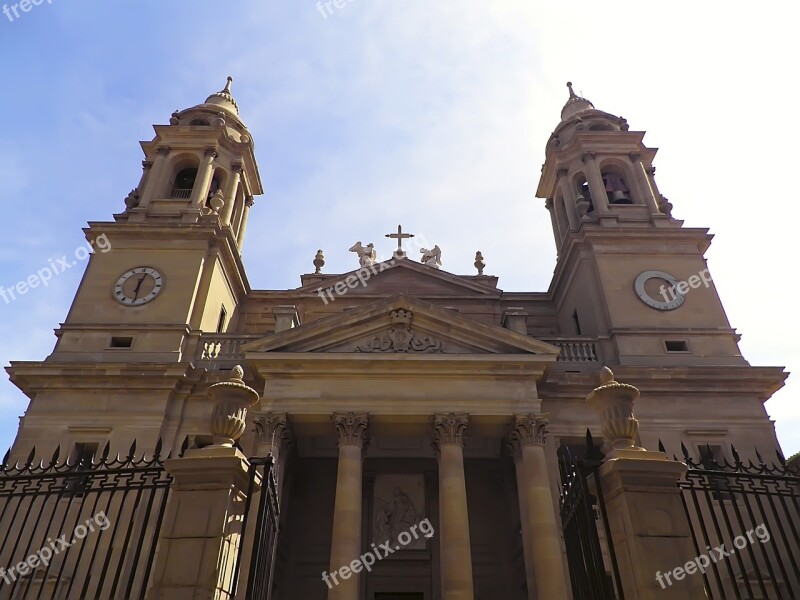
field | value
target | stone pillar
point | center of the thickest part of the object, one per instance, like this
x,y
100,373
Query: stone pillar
x,y
202,532
548,204
569,196
156,179
544,560
649,528
456,555
273,436
596,186
248,204
230,194
644,184
202,183
346,543
202,525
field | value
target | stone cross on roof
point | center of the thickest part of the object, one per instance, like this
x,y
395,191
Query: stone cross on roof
x,y
399,236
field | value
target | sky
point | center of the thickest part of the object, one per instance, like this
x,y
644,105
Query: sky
x,y
430,114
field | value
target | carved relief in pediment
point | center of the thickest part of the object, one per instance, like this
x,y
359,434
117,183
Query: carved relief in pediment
x,y
401,337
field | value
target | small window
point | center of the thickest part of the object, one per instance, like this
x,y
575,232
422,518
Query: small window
x,y
184,184
223,320
576,323
199,123
121,342
676,346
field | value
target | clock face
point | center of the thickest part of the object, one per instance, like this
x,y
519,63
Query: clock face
x,y
658,290
138,286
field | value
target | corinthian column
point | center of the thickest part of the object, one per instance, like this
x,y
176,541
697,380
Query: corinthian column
x,y
544,564
346,544
456,556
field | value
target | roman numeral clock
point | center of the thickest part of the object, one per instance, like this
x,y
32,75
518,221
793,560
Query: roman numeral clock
x,y
138,286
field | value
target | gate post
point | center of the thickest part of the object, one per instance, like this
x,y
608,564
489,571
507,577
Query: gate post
x,y
199,543
649,529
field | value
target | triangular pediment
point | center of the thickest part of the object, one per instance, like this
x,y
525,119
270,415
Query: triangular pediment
x,y
404,277
400,325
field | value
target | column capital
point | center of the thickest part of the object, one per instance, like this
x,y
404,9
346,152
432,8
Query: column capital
x,y
548,204
147,164
163,150
588,157
635,156
528,429
273,428
562,173
237,168
211,153
351,428
249,202
449,428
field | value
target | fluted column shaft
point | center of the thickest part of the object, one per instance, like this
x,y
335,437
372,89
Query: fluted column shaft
x,y
456,555
346,542
544,562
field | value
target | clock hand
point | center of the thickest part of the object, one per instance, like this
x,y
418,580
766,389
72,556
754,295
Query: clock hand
x,y
139,285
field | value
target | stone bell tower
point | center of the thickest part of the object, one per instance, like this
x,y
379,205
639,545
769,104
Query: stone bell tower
x,y
628,272
174,268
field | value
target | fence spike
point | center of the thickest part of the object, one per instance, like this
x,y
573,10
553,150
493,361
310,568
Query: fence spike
x,y
157,451
132,451
106,451
29,461
661,446
760,458
685,451
54,460
5,459
736,458
781,458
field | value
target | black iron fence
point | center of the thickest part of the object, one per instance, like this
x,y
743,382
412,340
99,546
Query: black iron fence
x,y
745,520
593,570
260,526
81,527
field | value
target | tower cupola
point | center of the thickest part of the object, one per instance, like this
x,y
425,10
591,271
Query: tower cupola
x,y
598,173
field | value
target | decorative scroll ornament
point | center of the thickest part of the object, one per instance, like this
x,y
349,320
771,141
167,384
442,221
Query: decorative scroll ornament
x,y
528,429
449,428
351,428
231,400
273,429
401,337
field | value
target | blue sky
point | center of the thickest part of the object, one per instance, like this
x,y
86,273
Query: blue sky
x,y
430,114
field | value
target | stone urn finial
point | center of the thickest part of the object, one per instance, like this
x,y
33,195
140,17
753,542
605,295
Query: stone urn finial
x,y
319,262
231,400
217,201
614,401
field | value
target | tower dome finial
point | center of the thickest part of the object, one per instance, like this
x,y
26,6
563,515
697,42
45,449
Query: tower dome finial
x,y
575,104
224,99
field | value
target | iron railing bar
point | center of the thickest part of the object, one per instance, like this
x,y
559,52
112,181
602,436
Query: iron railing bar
x,y
764,553
154,542
145,520
694,537
83,546
749,547
248,501
705,484
111,493
610,540
732,535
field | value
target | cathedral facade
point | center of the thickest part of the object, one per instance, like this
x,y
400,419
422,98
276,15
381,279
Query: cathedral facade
x,y
416,416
